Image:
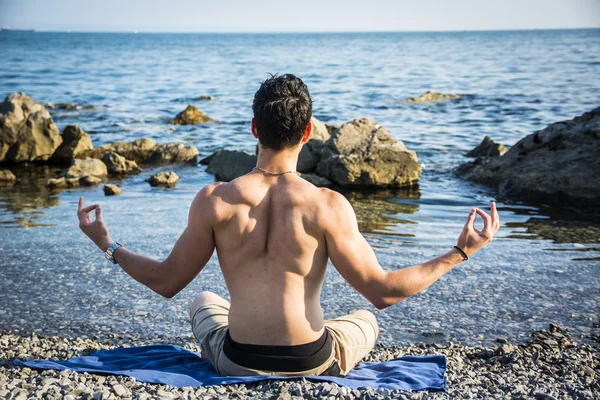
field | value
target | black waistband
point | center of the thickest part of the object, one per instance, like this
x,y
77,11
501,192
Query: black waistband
x,y
279,358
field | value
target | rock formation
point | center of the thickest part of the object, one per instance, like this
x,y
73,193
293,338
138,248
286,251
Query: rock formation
x,y
487,148
227,165
139,150
119,165
168,179
110,189
431,97
87,166
190,116
75,144
173,153
27,131
146,151
557,165
362,154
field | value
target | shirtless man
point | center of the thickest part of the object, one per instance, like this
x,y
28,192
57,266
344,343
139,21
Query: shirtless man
x,y
274,233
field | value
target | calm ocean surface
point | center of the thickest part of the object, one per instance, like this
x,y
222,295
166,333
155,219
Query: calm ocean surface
x,y
55,281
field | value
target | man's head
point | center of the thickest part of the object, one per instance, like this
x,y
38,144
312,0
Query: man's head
x,y
282,110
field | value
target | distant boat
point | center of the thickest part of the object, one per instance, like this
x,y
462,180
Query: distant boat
x,y
4,27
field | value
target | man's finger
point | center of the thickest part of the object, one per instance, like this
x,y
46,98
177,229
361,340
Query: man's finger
x,y
90,208
497,217
99,213
80,205
470,219
487,221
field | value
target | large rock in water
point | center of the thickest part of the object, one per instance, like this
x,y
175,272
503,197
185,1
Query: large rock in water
x,y
362,154
190,116
76,143
311,152
227,165
559,164
27,131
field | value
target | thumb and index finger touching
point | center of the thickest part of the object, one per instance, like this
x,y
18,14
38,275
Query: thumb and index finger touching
x,y
83,212
490,221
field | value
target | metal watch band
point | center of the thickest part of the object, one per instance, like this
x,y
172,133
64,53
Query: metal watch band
x,y
110,252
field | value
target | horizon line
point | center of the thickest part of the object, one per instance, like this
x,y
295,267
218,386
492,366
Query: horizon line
x,y
134,31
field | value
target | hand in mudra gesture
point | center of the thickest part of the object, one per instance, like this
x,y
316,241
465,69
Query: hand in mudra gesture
x,y
95,230
472,240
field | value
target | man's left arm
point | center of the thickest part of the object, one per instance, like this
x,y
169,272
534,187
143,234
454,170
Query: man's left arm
x,y
188,257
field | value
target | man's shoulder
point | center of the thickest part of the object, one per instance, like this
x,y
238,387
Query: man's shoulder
x,y
205,200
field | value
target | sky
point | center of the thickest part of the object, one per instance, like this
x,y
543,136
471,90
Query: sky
x,y
297,16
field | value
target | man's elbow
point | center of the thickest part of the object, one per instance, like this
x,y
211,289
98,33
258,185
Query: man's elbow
x,y
165,291
168,294
381,303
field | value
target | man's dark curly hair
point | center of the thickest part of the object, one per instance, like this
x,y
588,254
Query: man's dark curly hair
x,y
282,110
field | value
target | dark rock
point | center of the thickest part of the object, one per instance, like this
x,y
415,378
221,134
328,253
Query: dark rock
x,y
206,98
208,159
307,160
190,116
227,165
556,165
75,144
168,179
119,165
487,148
110,189
362,154
84,167
27,131
432,97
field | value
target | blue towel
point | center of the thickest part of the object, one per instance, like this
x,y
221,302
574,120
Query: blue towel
x,y
178,367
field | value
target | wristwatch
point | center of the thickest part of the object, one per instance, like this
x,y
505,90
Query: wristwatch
x,y
111,251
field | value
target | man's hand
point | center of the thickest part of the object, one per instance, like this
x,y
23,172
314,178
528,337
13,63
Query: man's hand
x,y
471,240
95,230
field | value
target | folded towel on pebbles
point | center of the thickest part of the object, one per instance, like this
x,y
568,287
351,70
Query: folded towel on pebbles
x,y
179,367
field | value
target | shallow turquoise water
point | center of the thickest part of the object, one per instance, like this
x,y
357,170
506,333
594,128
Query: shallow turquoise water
x,y
514,83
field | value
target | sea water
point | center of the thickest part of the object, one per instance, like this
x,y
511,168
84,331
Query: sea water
x,y
54,281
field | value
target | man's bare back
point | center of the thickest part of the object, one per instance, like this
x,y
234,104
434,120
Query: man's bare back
x,y
274,234
269,236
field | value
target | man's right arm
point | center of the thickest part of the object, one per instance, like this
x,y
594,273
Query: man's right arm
x,y
355,260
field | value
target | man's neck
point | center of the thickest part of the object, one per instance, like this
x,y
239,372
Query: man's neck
x,y
277,161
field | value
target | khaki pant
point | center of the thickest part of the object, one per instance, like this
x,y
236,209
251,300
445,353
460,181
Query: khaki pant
x,y
353,337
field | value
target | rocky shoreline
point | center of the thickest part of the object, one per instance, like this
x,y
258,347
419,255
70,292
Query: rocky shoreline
x,y
551,365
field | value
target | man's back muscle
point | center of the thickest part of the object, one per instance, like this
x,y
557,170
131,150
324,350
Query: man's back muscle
x,y
273,255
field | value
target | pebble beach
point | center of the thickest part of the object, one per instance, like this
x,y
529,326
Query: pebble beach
x,y
550,365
